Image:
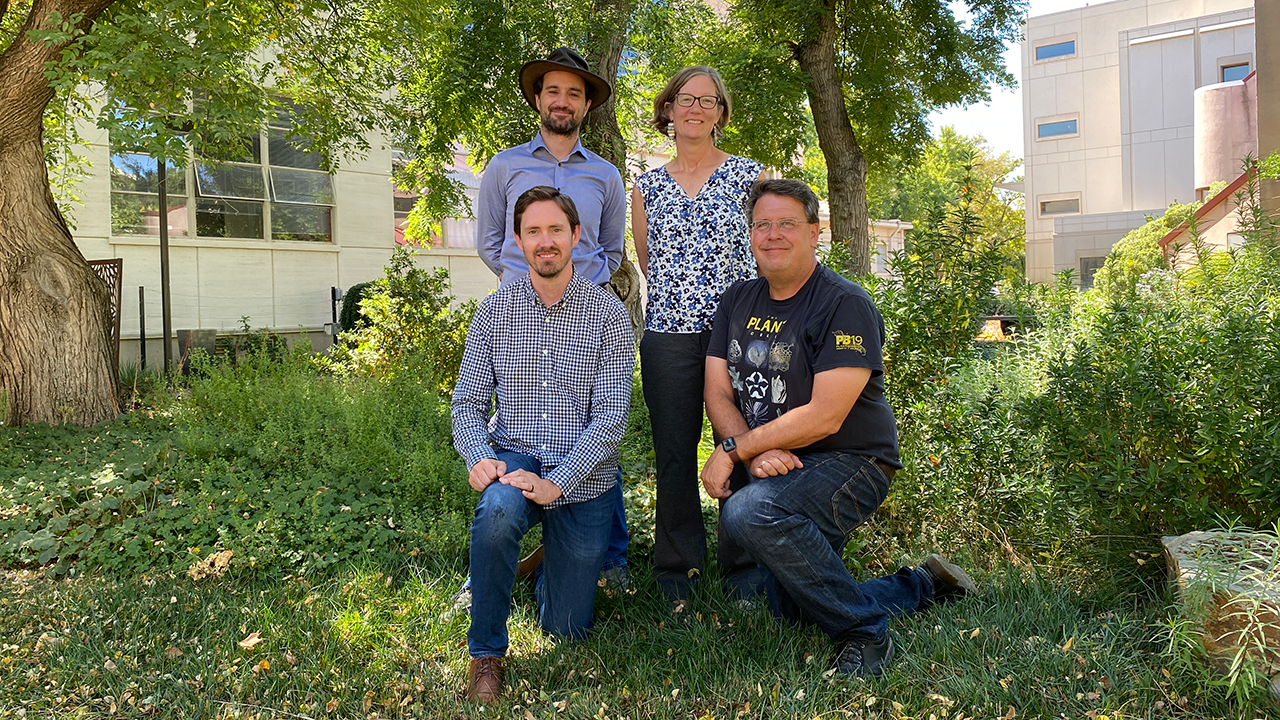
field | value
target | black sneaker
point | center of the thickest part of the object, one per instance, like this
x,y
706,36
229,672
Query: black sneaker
x,y
950,581
863,658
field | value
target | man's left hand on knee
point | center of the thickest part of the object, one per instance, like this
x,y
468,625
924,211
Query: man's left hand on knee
x,y
537,489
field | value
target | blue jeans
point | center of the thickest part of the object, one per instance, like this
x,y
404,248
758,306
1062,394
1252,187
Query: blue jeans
x,y
574,536
796,526
619,539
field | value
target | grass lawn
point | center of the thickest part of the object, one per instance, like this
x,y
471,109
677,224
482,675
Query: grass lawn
x,y
368,641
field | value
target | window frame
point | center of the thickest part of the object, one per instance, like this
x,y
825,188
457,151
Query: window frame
x,y
1053,120
1072,38
1041,200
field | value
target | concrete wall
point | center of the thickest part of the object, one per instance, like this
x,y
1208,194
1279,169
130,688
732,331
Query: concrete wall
x,y
1226,131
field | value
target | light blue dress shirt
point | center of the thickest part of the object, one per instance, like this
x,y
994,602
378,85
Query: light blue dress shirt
x,y
591,181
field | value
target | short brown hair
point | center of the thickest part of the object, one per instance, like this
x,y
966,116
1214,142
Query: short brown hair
x,y
661,118
539,193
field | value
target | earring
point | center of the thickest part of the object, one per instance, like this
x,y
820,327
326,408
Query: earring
x,y
671,129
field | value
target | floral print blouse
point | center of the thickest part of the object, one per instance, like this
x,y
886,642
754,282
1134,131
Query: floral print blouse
x,y
698,246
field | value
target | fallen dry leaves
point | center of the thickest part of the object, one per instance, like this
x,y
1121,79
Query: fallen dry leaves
x,y
251,640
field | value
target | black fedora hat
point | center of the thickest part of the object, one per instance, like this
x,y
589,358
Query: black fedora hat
x,y
566,60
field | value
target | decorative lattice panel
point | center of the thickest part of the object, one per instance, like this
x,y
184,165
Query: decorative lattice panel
x,y
112,273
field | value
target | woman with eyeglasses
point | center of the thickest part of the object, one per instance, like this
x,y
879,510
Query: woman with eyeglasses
x,y
692,240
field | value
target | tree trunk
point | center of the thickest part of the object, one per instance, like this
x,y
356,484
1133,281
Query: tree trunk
x,y
846,165
55,336
601,133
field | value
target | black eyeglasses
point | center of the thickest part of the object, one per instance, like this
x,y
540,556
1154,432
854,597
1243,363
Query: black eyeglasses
x,y
708,102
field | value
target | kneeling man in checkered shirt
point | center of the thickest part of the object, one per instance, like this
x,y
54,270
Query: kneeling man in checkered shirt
x,y
557,352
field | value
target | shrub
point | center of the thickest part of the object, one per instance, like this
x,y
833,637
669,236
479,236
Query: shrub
x,y
351,317
411,328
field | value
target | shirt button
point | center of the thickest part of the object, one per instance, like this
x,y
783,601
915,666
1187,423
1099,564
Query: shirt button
x,y
544,447
544,416
544,383
546,319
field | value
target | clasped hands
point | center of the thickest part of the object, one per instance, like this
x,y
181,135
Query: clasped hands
x,y
715,474
535,488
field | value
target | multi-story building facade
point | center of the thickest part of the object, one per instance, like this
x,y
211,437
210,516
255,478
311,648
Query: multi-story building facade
x,y
1109,105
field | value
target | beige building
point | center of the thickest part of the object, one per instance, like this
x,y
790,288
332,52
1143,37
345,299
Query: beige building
x,y
1109,107
259,241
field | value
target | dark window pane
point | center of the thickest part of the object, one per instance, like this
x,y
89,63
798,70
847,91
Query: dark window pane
x,y
1235,72
288,150
231,181
1045,52
246,149
1053,129
302,186
138,173
229,219
300,222
133,214
1059,207
404,205
1088,268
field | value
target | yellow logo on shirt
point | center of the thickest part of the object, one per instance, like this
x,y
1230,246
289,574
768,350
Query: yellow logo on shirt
x,y
768,325
849,342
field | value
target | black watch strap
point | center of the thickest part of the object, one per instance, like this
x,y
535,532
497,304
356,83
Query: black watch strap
x,y
730,447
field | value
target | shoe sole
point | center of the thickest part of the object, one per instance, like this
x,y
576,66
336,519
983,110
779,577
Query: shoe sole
x,y
950,573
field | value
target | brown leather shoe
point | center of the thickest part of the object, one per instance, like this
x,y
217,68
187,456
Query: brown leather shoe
x,y
484,680
526,567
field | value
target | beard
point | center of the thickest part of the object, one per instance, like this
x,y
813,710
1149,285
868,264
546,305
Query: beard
x,y
568,126
549,268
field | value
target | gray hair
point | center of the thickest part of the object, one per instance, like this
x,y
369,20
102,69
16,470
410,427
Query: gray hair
x,y
784,187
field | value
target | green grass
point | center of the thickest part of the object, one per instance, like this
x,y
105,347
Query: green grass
x,y
366,640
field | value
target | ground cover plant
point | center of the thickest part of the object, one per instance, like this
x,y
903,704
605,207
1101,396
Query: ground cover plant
x,y
279,536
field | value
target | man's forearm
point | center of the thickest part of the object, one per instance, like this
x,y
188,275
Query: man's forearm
x,y
726,419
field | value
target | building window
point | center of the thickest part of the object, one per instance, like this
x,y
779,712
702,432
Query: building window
x,y
1070,206
274,186
1088,268
1056,50
1235,72
135,194
1057,129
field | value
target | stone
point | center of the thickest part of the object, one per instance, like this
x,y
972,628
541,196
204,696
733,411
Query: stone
x,y
1229,583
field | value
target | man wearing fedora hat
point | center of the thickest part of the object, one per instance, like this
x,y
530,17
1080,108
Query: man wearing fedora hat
x,y
562,90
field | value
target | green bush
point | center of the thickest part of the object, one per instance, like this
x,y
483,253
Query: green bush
x,y
351,318
412,328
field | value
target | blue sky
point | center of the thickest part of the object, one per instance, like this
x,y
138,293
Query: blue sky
x,y
1000,121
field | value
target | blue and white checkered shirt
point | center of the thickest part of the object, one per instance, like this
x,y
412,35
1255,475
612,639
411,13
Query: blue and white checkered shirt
x,y
562,377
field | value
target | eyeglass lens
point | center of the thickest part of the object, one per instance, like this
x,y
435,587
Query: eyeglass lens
x,y
708,102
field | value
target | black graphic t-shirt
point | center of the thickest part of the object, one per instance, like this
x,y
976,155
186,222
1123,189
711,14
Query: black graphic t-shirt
x,y
775,347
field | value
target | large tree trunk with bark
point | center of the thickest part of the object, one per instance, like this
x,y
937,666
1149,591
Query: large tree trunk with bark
x,y
846,165
55,337
602,135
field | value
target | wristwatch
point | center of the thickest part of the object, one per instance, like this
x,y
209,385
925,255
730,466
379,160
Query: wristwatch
x,y
730,447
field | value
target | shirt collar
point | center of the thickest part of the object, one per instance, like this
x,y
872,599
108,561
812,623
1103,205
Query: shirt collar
x,y
539,143
576,282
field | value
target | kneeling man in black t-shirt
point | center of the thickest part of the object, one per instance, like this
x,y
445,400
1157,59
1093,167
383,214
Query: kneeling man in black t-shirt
x,y
795,386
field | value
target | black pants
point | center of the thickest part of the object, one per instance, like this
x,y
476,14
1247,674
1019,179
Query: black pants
x,y
672,366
